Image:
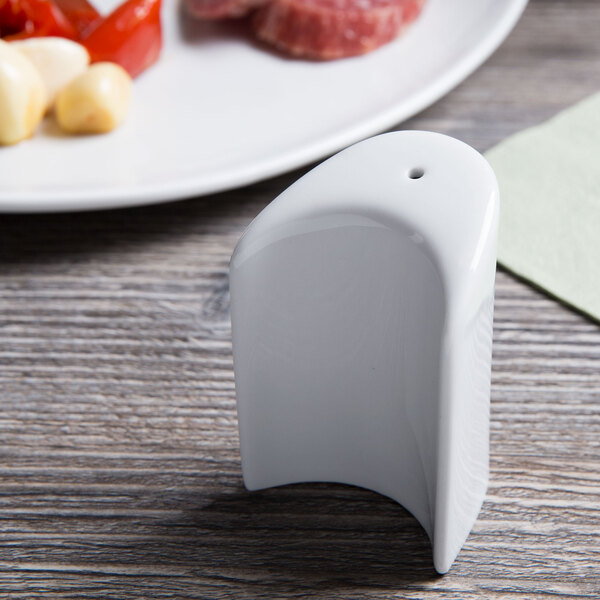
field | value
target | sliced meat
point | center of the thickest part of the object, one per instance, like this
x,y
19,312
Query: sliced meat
x,y
221,9
328,29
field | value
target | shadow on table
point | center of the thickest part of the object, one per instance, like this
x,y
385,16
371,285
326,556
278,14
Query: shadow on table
x,y
323,535
300,538
57,240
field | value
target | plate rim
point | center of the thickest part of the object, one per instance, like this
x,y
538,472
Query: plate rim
x,y
196,186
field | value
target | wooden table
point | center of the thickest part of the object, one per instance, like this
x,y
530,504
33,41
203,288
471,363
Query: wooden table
x,y
120,471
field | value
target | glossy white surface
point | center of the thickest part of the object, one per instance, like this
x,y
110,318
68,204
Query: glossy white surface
x,y
361,306
218,111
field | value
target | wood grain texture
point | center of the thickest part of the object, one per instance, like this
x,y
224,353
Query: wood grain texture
x,y
119,462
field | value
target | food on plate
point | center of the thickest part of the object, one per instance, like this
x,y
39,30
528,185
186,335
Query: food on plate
x,y
130,36
57,60
82,15
45,53
330,29
221,9
96,101
22,96
317,29
33,18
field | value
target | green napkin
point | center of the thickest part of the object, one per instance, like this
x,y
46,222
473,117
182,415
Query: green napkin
x,y
549,179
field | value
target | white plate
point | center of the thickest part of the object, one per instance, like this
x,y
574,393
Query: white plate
x,y
219,111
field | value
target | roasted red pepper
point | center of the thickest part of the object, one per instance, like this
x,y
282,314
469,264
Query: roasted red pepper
x,y
82,15
130,36
33,18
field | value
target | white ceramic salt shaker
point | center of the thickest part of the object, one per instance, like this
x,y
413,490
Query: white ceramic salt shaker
x,y
361,307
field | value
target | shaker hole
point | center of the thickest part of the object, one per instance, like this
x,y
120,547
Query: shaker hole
x,y
416,173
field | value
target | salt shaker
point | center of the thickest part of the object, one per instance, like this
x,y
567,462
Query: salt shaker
x,y
361,307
